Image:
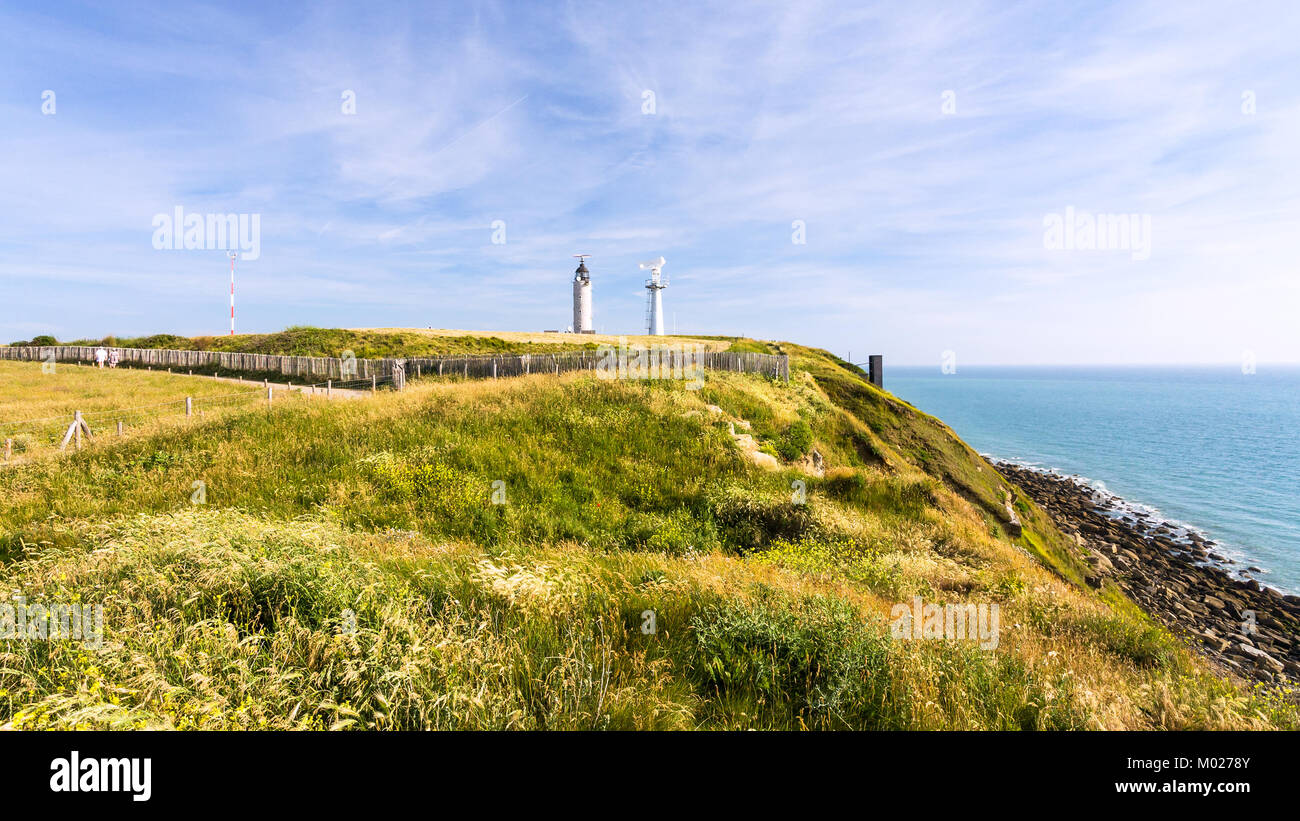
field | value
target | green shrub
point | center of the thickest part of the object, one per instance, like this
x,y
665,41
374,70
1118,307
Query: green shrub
x,y
796,441
673,533
776,661
894,494
837,557
749,519
1140,642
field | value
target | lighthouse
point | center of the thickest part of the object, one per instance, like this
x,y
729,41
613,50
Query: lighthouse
x,y
582,297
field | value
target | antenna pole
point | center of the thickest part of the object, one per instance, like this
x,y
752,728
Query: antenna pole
x,y
232,293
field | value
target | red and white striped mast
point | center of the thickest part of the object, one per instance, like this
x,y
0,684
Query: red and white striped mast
x,y
232,292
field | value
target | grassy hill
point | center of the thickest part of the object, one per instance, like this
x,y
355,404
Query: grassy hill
x,y
375,343
350,569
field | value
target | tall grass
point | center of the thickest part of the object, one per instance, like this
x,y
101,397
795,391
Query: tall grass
x,y
484,555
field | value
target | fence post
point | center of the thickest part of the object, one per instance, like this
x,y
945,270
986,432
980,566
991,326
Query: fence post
x,y
119,427
9,449
374,383
268,394
189,406
329,388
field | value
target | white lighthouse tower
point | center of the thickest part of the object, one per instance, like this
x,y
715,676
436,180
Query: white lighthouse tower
x,y
582,297
654,303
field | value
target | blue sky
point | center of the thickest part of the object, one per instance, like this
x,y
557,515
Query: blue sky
x,y
924,225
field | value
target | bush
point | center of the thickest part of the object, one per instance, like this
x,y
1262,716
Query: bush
x,y
773,659
674,533
796,441
748,520
905,496
1141,643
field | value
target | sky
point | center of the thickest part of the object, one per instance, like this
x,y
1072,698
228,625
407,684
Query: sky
x,y
868,178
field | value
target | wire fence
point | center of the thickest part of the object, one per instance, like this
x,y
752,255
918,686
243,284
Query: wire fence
x,y
315,370
24,438
344,377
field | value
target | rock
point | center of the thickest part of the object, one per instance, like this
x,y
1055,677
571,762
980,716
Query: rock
x,y
1168,572
747,444
1216,643
1013,521
1261,657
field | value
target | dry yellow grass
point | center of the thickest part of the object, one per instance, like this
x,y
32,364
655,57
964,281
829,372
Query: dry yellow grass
x,y
37,404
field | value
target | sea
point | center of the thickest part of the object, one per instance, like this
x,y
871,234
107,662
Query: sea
x,y
1210,449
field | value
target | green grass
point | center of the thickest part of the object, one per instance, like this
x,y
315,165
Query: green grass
x,y
37,404
332,342
351,568
379,343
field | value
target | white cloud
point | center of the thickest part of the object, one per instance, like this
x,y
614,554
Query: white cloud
x,y
922,228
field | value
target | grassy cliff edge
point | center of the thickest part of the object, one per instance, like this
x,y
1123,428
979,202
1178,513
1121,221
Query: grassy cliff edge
x,y
574,553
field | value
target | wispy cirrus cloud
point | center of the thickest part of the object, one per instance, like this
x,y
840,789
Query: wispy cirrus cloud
x,y
924,228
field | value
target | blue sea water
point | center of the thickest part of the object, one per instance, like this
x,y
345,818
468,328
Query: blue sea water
x,y
1209,448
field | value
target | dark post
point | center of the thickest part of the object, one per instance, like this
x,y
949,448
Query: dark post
x,y
875,370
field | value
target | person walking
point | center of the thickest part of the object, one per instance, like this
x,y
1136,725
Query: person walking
x,y
113,358
100,356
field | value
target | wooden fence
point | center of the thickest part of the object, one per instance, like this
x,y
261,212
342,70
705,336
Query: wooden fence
x,y
655,362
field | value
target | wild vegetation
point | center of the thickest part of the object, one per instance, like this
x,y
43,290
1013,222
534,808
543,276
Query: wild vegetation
x,y
368,344
571,553
37,404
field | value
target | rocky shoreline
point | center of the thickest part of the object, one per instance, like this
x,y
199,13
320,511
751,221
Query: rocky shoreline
x,y
1177,576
